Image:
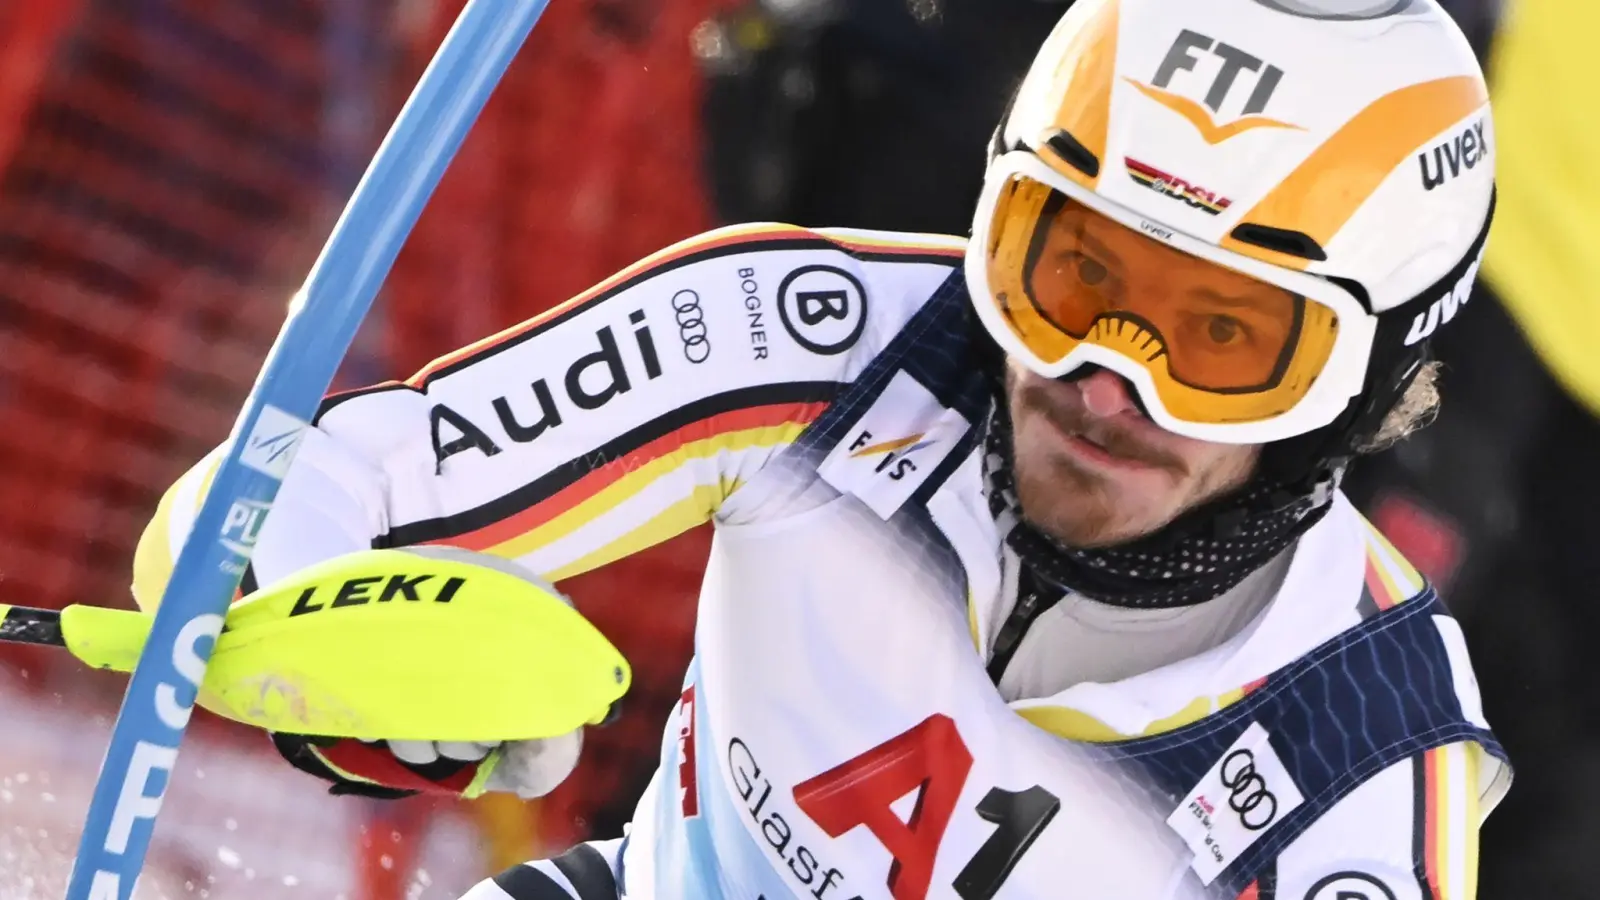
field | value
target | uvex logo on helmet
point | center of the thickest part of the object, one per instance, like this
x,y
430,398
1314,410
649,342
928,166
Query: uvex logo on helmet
x,y
1444,309
1450,158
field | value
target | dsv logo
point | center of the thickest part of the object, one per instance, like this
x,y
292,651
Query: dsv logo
x,y
691,326
1248,795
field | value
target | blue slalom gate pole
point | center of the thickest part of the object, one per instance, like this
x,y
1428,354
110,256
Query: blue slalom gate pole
x,y
322,321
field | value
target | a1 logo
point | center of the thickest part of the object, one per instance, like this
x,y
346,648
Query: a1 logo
x,y
932,760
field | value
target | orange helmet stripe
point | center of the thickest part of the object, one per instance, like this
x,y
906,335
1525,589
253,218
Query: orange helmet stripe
x,y
1210,131
1322,194
1085,91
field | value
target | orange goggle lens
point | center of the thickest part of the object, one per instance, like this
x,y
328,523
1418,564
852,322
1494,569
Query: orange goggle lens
x,y
1064,275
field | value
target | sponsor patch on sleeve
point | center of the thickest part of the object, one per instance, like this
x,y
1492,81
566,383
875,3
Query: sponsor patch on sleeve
x,y
894,446
1238,800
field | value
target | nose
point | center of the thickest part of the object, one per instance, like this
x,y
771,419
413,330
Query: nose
x,y
1106,394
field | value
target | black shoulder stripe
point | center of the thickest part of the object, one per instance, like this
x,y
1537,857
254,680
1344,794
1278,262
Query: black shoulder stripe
x,y
335,399
524,882
754,245
589,873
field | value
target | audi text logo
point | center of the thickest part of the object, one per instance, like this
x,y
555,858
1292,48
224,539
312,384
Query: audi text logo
x,y
691,326
1248,795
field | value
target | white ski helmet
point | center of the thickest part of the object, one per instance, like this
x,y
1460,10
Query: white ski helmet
x,y
1255,211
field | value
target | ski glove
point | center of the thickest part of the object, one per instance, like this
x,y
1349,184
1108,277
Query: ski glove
x,y
388,770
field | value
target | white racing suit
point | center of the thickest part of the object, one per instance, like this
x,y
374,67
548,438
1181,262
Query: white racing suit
x,y
815,395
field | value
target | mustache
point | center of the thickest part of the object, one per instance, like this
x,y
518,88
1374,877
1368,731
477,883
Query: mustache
x,y
1112,436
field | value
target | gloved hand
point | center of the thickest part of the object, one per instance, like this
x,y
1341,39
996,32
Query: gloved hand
x,y
389,770
394,769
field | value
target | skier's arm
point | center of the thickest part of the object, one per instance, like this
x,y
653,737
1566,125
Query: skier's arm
x,y
1409,833
614,422
610,424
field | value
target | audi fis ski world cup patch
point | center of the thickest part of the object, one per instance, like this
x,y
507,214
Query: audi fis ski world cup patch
x,y
1238,800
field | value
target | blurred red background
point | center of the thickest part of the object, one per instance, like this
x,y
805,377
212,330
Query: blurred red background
x,y
168,172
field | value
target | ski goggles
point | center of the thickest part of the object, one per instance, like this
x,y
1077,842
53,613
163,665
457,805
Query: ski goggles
x,y
1220,347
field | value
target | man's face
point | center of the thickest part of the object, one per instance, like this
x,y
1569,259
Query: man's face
x,y
1093,471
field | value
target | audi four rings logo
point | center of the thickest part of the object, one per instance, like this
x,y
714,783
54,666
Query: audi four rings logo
x,y
1248,795
691,326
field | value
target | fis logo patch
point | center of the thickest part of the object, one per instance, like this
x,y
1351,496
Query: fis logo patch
x,y
904,446
895,446
270,447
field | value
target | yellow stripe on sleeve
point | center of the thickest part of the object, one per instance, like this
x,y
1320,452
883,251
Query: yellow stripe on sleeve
x,y
1453,820
703,501
669,523
153,557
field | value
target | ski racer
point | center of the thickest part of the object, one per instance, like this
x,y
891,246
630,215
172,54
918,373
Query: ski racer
x,y
1032,577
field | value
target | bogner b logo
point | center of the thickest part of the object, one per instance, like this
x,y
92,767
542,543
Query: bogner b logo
x,y
1230,64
